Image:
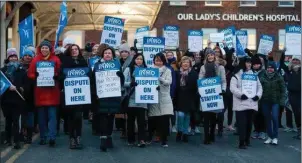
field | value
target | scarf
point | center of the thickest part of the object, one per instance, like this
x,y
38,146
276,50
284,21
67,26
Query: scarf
x,y
171,60
11,69
184,74
47,57
210,68
296,67
270,75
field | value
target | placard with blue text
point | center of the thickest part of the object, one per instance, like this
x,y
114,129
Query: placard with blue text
x,y
140,34
249,85
266,44
229,34
241,42
112,31
293,40
46,72
195,40
152,46
171,35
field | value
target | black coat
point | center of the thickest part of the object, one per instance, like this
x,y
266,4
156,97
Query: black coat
x,y
186,96
294,82
28,88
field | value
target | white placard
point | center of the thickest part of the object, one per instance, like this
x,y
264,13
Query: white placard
x,y
171,35
266,44
113,31
140,34
249,85
216,37
147,82
195,40
293,40
152,46
46,72
229,36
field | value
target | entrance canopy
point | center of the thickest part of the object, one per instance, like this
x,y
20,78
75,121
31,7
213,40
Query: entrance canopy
x,y
88,15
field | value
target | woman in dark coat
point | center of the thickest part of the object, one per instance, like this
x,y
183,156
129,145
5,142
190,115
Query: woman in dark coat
x,y
106,107
73,59
186,95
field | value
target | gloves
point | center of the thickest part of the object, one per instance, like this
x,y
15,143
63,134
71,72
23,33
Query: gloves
x,y
119,74
222,93
256,98
158,88
133,84
37,74
244,97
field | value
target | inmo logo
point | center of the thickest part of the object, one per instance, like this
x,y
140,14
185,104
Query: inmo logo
x,y
142,29
44,64
294,29
240,33
209,81
249,77
171,28
228,31
114,21
153,41
75,72
107,65
267,37
195,33
146,72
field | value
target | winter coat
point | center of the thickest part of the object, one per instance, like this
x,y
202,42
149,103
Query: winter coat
x,y
235,87
109,105
273,89
28,87
186,96
46,96
10,99
294,82
220,73
165,106
173,85
127,87
69,62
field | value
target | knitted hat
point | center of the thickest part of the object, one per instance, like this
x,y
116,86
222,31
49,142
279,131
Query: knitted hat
x,y
28,52
271,65
296,57
209,51
45,43
31,48
256,60
68,41
124,47
11,52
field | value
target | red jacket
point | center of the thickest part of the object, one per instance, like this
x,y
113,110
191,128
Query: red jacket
x,y
45,96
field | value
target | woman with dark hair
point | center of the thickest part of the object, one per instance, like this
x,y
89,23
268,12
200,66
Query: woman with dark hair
x,y
159,114
135,110
108,106
73,59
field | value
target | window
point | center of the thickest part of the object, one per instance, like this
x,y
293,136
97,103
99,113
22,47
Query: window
x,y
251,38
213,3
248,3
286,4
206,36
178,3
281,38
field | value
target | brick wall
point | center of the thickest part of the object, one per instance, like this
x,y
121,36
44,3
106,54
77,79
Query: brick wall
x,y
168,15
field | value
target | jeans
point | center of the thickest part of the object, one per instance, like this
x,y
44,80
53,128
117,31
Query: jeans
x,y
48,113
271,113
30,119
183,122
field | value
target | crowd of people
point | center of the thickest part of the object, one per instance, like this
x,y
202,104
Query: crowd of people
x,y
179,107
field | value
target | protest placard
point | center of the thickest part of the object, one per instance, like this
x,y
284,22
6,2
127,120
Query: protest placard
x,y
229,34
241,42
92,61
140,34
107,82
216,37
171,35
77,86
249,85
46,72
266,44
112,31
195,40
209,90
152,46
147,82
293,40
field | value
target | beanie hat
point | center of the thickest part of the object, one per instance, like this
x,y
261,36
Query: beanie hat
x,y
28,52
124,47
45,43
68,41
209,51
32,48
11,52
296,57
272,65
256,60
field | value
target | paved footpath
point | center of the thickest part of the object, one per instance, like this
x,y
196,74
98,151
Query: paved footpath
x,y
223,151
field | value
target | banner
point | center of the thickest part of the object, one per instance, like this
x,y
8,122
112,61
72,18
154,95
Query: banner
x,y
140,34
293,40
216,37
46,72
147,82
171,35
249,85
266,44
195,40
4,83
152,46
209,90
62,22
108,84
77,86
229,34
241,42
26,33
113,31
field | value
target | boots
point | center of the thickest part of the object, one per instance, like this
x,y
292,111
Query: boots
x,y
72,143
178,136
29,135
185,138
109,142
206,139
242,145
79,144
103,145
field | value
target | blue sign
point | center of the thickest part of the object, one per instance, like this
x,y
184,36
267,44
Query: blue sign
x,y
228,36
209,82
293,29
26,33
152,46
108,65
146,72
62,22
114,21
75,72
252,77
267,37
171,28
92,61
241,42
154,41
45,64
4,83
142,29
195,33
112,31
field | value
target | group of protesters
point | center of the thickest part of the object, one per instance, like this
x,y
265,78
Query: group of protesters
x,y
179,107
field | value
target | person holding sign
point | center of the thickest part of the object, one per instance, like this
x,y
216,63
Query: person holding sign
x,y
47,98
211,69
159,114
186,93
74,99
135,110
273,97
107,80
12,103
247,90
